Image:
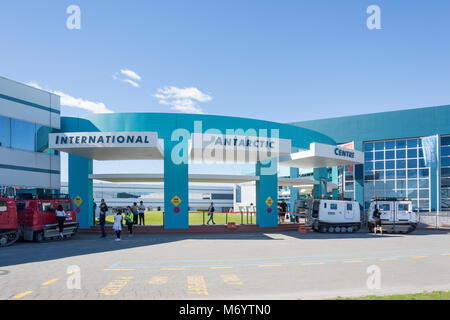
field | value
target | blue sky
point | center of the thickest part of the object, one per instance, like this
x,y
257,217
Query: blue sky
x,y
275,60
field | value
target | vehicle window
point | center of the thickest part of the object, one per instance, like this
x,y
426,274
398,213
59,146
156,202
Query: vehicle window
x,y
403,207
3,206
48,206
325,205
333,206
385,207
66,206
20,206
349,207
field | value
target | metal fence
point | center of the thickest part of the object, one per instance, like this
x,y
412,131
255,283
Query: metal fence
x,y
435,220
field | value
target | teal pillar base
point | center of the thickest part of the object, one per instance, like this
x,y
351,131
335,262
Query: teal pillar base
x,y
335,180
267,187
294,191
81,186
176,184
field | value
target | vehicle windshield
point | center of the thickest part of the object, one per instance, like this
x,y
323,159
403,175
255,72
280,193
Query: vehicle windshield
x,y
3,206
66,206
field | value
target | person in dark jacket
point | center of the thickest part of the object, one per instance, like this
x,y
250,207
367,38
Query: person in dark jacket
x,y
377,218
102,220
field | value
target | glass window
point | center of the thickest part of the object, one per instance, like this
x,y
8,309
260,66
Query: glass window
x,y
379,175
412,163
412,143
384,207
424,194
5,132
401,144
420,153
368,156
379,155
390,174
412,184
390,155
424,173
23,135
445,151
349,207
369,166
445,162
3,206
412,153
401,154
379,165
445,141
368,147
401,164
424,183
403,207
424,205
401,184
333,206
390,145
401,174
379,145
412,174
390,165
349,186
445,172
422,163
412,194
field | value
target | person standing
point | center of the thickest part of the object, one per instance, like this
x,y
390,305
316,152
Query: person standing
x,y
135,211
118,224
102,219
283,210
211,211
95,208
142,214
61,218
129,220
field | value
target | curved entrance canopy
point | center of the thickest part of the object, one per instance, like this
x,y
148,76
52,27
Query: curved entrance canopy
x,y
178,139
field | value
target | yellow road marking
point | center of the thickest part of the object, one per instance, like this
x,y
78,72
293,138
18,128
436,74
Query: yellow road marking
x,y
119,269
158,280
231,279
270,266
197,285
214,268
445,254
313,264
420,257
21,295
353,261
171,269
50,282
115,286
388,259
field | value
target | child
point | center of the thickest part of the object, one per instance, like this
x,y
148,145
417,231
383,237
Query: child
x,y
117,227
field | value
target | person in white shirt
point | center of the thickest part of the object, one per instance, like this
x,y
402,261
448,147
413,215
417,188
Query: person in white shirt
x,y
117,227
61,218
141,214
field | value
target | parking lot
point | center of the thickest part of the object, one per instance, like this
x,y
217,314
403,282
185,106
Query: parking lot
x,y
284,265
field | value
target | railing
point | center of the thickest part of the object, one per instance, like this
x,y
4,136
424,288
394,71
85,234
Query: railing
x,y
436,220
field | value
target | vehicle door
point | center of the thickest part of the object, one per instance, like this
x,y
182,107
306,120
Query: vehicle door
x,y
403,209
386,210
4,217
349,211
48,212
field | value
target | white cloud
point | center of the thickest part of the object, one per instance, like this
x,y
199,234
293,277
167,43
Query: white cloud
x,y
131,74
69,101
182,99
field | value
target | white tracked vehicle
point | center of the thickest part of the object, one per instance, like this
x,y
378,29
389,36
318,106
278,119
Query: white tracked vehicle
x,y
396,215
332,216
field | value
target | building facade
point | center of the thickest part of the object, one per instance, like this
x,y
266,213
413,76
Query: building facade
x,y
27,116
394,165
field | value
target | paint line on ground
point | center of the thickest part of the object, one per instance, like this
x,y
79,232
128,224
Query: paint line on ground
x,y
270,266
158,280
313,263
231,279
388,259
197,285
119,269
172,269
50,282
115,286
21,295
445,254
420,257
215,268
353,261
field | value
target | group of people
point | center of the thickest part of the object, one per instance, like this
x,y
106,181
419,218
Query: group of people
x,y
134,214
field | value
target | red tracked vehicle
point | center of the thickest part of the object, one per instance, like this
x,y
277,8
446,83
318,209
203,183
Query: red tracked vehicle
x,y
9,230
37,217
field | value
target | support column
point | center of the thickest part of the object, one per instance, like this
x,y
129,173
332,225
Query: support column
x,y
320,174
81,186
176,185
267,187
294,191
335,180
